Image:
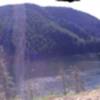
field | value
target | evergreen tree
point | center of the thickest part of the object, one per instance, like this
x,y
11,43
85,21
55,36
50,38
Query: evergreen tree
x,y
5,79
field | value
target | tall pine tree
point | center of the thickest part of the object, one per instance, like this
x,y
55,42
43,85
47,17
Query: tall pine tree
x,y
5,79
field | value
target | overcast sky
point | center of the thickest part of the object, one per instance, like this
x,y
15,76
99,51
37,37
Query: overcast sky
x,y
90,6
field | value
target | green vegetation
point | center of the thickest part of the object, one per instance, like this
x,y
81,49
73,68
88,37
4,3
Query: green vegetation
x,y
6,82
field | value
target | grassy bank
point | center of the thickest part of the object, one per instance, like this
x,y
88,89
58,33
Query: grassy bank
x,y
87,95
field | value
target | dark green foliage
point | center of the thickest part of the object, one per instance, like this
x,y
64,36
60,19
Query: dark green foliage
x,y
6,82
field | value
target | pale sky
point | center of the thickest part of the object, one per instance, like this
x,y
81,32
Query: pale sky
x,y
90,6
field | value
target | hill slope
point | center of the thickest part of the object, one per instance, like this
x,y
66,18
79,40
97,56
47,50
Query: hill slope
x,y
52,31
49,32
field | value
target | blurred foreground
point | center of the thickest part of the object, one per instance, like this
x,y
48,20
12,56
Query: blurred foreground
x,y
87,95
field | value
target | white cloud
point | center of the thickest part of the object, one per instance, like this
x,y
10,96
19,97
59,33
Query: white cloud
x,y
89,6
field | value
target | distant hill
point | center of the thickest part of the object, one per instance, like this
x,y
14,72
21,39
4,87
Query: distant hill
x,y
52,31
48,32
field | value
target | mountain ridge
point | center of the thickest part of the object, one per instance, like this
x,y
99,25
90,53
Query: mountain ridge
x,y
45,23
